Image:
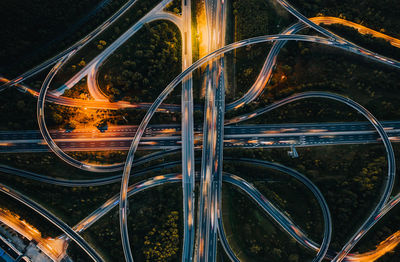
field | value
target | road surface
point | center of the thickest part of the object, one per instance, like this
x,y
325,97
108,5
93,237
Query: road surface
x,y
213,131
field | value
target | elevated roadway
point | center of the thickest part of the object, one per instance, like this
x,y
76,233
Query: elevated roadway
x,y
53,220
214,112
216,129
187,133
169,137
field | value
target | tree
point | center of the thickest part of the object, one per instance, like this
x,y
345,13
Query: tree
x,y
162,242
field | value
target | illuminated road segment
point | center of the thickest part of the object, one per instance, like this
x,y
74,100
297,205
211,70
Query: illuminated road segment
x,y
209,217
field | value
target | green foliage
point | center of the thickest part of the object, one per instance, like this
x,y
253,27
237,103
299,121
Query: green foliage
x,y
369,175
146,69
154,210
161,243
78,91
17,110
175,7
252,18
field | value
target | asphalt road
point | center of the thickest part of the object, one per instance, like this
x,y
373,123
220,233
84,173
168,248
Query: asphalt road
x,y
211,164
187,132
213,131
168,137
53,220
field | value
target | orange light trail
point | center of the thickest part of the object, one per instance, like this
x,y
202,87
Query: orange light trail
x,y
328,20
383,248
54,248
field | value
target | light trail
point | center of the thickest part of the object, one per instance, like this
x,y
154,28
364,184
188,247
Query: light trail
x,y
383,248
187,127
330,39
53,248
211,166
329,20
53,220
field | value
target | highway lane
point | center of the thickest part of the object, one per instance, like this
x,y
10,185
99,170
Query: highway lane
x,y
219,79
187,127
305,20
85,182
211,165
88,182
204,216
329,20
391,127
246,141
168,137
99,182
331,35
53,220
105,105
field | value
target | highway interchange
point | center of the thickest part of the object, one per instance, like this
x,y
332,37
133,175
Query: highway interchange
x,y
217,133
